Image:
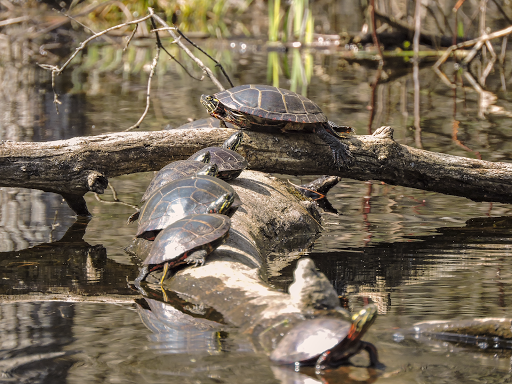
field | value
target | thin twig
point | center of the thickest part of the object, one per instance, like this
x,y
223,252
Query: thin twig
x,y
114,197
502,11
83,25
156,30
490,64
503,49
131,37
374,31
477,43
416,49
14,20
96,35
58,70
82,13
75,20
148,93
178,41
217,64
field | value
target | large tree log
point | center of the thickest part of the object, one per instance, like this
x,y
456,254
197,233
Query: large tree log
x,y
272,218
76,166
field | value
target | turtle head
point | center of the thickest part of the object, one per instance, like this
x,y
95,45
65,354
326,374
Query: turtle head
x,y
203,157
212,104
222,204
362,321
209,170
234,141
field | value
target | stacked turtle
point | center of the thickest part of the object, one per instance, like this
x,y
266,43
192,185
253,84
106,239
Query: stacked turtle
x,y
187,208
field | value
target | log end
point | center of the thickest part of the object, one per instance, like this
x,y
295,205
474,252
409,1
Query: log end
x,y
311,289
96,182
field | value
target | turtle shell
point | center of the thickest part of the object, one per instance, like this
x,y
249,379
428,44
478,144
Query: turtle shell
x,y
308,340
173,171
179,198
194,232
271,103
230,163
210,122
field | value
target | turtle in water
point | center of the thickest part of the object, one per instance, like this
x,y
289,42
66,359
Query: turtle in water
x,y
266,108
188,240
327,341
230,163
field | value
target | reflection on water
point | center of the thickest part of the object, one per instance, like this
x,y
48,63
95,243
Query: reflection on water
x,y
418,255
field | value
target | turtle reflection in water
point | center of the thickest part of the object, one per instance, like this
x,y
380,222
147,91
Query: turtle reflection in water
x,y
270,109
188,240
326,341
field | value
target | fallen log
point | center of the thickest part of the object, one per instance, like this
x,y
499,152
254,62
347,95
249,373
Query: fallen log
x,y
76,166
272,218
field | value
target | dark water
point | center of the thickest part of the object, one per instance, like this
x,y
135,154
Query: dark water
x,y
418,255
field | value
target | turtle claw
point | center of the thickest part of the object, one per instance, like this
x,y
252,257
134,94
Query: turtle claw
x,y
340,151
196,258
343,158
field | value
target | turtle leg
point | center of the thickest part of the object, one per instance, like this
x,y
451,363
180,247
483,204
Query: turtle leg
x,y
372,352
197,257
133,217
164,273
340,152
222,124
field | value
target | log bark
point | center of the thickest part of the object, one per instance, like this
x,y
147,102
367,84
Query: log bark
x,y
76,166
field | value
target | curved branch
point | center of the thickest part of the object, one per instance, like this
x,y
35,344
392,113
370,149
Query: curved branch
x,y
67,166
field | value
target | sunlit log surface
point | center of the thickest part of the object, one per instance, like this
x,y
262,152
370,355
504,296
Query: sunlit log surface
x,y
75,166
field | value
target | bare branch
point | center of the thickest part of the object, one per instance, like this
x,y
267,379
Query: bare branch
x,y
148,93
14,20
131,37
477,43
217,64
178,41
58,71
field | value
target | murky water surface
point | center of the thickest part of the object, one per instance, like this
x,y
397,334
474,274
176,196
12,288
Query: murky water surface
x,y
418,255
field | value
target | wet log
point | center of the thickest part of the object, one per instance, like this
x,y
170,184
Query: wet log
x,y
79,165
272,218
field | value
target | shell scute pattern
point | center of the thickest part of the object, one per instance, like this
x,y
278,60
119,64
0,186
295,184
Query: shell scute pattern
x,y
326,333
189,233
180,198
229,162
272,103
249,98
173,171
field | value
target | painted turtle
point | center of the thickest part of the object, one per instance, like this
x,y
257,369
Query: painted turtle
x,y
179,198
327,341
230,163
266,108
188,240
210,122
180,169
